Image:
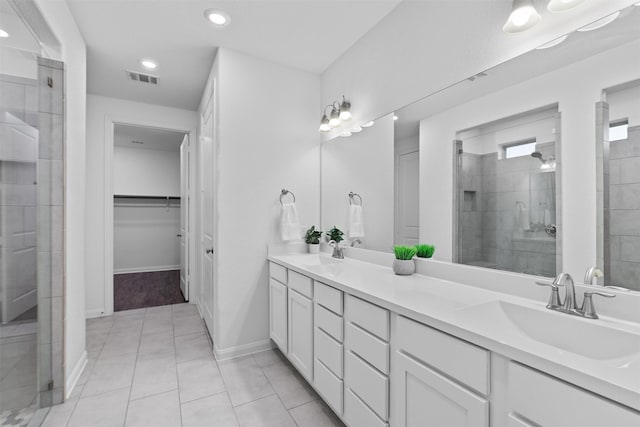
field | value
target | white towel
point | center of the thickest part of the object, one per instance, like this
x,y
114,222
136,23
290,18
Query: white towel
x,y
356,224
289,222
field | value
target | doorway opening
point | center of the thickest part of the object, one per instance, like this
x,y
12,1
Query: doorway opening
x,y
150,216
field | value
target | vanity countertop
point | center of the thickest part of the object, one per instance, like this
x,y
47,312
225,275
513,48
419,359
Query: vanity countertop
x,y
460,310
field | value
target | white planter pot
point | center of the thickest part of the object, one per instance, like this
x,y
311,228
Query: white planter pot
x,y
404,267
314,248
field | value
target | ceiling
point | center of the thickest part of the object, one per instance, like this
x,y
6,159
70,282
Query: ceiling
x,y
147,138
305,34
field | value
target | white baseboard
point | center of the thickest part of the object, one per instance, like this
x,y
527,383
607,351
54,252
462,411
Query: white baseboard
x,y
242,350
71,382
145,269
91,314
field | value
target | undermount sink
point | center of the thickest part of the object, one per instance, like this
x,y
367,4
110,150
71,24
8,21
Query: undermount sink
x,y
565,332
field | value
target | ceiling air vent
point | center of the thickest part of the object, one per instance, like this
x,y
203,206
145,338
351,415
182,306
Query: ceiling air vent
x,y
142,78
137,142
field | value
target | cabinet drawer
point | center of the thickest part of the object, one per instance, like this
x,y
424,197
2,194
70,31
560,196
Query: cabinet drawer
x,y
330,387
328,297
302,284
368,347
328,351
278,272
357,414
549,407
370,385
328,322
459,359
368,316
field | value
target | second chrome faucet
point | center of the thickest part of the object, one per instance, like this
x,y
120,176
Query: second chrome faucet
x,y
570,305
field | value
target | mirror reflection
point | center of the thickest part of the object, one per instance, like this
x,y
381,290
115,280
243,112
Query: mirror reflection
x,y
506,197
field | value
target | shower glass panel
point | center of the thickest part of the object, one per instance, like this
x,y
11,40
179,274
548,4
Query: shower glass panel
x,y
507,203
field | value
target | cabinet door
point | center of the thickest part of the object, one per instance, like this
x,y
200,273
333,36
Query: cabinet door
x,y
278,314
424,398
301,333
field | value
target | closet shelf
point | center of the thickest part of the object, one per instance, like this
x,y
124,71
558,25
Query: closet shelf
x,y
129,196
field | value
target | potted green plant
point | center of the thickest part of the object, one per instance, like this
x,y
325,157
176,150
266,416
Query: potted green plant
x,y
404,265
425,251
335,234
312,238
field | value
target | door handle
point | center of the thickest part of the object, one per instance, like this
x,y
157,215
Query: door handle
x,y
209,250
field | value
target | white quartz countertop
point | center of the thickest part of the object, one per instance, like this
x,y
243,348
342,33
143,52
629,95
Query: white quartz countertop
x,y
450,307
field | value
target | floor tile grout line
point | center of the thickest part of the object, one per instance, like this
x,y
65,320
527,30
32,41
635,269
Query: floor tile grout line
x,y
233,408
175,352
276,391
135,363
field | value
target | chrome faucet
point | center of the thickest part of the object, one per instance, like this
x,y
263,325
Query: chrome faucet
x,y
355,241
592,275
588,310
337,250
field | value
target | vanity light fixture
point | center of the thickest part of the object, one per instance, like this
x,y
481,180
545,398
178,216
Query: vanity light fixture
x,y
368,124
523,16
340,112
356,129
149,64
557,6
345,134
217,17
600,22
553,43
3,34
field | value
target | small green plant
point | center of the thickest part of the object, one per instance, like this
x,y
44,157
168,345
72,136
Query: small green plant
x,y
312,236
404,252
425,251
335,234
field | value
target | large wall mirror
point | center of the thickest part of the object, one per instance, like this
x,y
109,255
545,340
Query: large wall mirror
x,y
438,180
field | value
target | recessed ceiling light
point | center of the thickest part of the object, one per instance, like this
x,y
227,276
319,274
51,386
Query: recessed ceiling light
x,y
149,64
3,33
600,22
553,43
523,16
395,117
557,6
368,124
217,17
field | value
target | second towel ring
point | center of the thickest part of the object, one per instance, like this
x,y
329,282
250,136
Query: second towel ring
x,y
351,197
284,192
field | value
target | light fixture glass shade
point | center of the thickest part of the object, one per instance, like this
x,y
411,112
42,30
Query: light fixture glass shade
x,y
345,134
368,124
557,6
553,43
600,22
345,110
3,33
334,118
324,124
356,129
523,16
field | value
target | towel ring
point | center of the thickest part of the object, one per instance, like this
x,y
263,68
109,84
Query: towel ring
x,y
352,195
284,192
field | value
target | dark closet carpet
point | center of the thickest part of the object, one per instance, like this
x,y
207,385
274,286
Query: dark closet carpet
x,y
139,290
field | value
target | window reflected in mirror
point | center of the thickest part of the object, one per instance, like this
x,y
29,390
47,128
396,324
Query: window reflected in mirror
x,y
507,194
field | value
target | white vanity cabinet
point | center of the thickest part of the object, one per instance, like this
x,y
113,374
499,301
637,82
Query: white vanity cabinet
x,y
367,334
537,399
437,379
278,306
300,323
328,348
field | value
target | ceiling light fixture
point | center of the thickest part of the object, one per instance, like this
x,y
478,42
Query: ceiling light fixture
x,y
523,16
217,17
340,112
553,43
149,64
356,129
395,117
345,134
368,124
557,6
3,34
600,22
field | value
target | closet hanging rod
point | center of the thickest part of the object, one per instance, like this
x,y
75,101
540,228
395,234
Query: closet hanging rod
x,y
123,196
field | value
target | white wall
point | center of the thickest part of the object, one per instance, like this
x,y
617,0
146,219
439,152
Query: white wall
x,y
415,50
99,110
143,171
576,104
362,163
625,104
73,53
258,153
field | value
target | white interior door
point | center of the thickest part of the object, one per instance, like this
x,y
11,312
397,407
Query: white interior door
x,y
185,185
407,198
207,215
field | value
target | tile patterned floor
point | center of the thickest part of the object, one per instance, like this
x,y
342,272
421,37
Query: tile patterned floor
x,y
18,373
154,367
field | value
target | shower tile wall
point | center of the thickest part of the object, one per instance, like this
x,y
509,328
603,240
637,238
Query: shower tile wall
x,y
624,203
490,235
